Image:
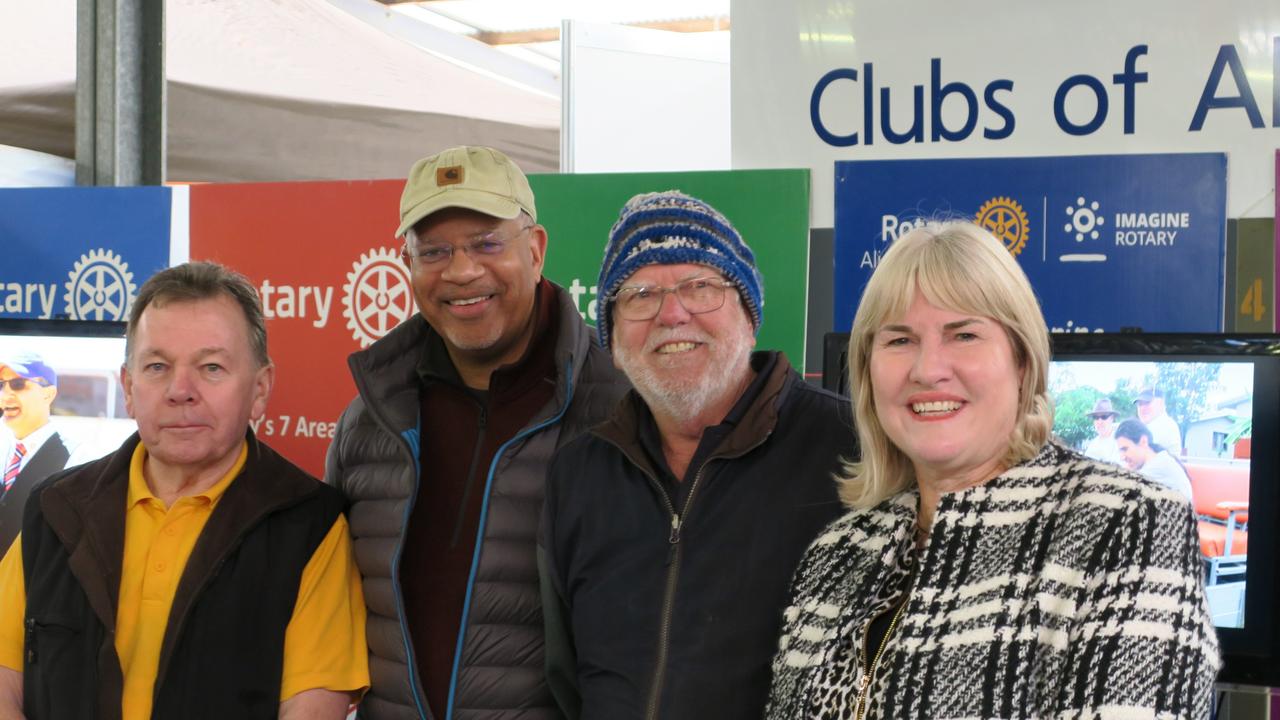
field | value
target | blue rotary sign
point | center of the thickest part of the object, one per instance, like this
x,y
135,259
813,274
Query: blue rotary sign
x,y
1108,242
80,253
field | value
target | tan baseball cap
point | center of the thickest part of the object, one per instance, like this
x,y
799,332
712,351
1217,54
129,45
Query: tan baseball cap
x,y
472,177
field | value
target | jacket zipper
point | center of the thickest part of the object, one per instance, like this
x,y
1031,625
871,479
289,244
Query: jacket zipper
x,y
483,425
669,596
484,521
868,675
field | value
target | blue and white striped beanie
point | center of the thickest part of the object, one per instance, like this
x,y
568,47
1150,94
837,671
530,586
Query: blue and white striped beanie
x,y
669,228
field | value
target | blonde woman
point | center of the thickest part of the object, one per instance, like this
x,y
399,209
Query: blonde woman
x,y
983,570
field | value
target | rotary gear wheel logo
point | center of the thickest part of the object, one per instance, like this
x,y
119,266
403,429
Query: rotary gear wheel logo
x,y
1005,219
99,287
378,295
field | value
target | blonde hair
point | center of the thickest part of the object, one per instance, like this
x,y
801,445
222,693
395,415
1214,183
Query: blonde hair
x,y
961,267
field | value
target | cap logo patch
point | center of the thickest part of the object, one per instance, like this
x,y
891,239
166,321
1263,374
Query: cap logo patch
x,y
451,175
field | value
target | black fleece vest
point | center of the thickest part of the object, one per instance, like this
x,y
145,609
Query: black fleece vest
x,y
223,650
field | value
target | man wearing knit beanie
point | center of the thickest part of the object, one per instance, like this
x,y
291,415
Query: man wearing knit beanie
x,y
671,531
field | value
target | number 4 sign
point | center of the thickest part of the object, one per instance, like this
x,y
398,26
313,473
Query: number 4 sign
x,y
1250,275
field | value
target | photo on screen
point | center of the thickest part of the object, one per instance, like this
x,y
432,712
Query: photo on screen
x,y
1186,425
70,395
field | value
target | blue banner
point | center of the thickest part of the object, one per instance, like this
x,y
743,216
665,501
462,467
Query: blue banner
x,y
80,253
1108,242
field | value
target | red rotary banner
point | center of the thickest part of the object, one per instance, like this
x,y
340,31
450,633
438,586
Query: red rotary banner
x,y
324,257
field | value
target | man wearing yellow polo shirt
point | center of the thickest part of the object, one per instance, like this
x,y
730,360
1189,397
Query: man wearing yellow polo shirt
x,y
194,573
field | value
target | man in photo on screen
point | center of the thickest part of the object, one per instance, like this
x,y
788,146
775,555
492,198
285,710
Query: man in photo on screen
x,y
1152,412
1103,445
1143,454
27,389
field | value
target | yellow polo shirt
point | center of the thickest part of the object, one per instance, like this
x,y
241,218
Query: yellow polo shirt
x,y
324,645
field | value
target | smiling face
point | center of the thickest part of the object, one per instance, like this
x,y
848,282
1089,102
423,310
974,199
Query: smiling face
x,y
945,389
683,364
193,384
482,305
25,410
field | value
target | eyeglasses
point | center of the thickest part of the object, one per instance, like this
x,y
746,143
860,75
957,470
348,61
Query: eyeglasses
x,y
696,296
19,384
477,247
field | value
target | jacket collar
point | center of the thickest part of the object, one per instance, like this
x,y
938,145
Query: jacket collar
x,y
623,427
892,521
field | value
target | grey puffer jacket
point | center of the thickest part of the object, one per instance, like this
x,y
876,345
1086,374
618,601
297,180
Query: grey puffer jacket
x,y
498,669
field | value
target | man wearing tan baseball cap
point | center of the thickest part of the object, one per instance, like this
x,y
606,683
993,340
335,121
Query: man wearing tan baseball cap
x,y
443,453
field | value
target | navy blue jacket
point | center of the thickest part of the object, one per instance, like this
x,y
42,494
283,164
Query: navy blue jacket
x,y
666,602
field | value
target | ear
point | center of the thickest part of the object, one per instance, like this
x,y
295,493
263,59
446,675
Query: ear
x,y
126,381
50,392
264,379
538,247
404,258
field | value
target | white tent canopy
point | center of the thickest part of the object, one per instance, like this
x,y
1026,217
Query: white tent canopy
x,y
278,90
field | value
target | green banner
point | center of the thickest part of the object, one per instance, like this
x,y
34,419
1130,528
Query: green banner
x,y
770,208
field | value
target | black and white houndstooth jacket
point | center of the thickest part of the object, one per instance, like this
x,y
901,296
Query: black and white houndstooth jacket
x,y
1063,588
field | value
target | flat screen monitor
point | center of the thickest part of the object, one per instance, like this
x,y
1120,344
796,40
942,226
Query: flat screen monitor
x,y
87,410
1205,412
1200,414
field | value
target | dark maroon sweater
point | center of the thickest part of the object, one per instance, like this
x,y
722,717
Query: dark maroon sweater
x,y
462,429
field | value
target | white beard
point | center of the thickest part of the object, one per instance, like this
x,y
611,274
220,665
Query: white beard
x,y
682,398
